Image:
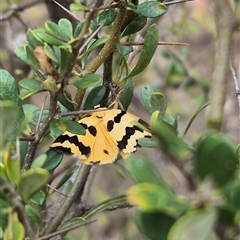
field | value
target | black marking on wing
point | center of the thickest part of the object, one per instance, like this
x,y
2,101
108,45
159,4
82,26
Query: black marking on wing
x,y
110,125
106,151
85,150
116,119
129,131
92,130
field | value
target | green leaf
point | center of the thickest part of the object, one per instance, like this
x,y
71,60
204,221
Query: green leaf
x,y
30,84
151,197
151,9
29,93
134,26
148,197
75,127
3,172
32,39
12,164
66,26
45,37
36,115
15,229
197,224
8,110
94,44
9,90
95,96
5,204
78,7
176,74
158,102
148,50
53,160
50,85
79,28
216,158
50,53
124,50
32,181
127,93
20,52
168,138
23,151
154,225
38,198
34,215
106,17
66,176
54,29
65,60
88,81
148,142
59,126
39,161
142,171
64,101
31,60
146,93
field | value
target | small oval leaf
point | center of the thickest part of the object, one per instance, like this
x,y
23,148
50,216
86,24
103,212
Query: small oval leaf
x,y
150,9
30,84
88,81
32,181
106,17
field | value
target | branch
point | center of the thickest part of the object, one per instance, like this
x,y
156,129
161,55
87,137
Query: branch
x,y
15,10
32,147
234,75
159,43
77,187
176,2
225,23
16,201
65,230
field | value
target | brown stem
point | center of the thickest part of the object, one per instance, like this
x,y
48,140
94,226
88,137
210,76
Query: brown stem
x,y
32,147
225,22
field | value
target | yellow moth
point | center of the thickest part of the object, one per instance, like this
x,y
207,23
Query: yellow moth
x,y
109,132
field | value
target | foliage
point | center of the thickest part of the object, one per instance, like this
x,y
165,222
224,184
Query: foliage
x,y
60,56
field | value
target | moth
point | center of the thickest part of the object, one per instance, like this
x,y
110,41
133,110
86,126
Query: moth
x,y
109,132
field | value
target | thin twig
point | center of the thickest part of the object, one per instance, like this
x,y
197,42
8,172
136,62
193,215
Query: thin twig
x,y
235,80
41,113
56,190
159,43
32,147
66,10
89,39
16,201
20,8
176,2
77,187
46,237
28,139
